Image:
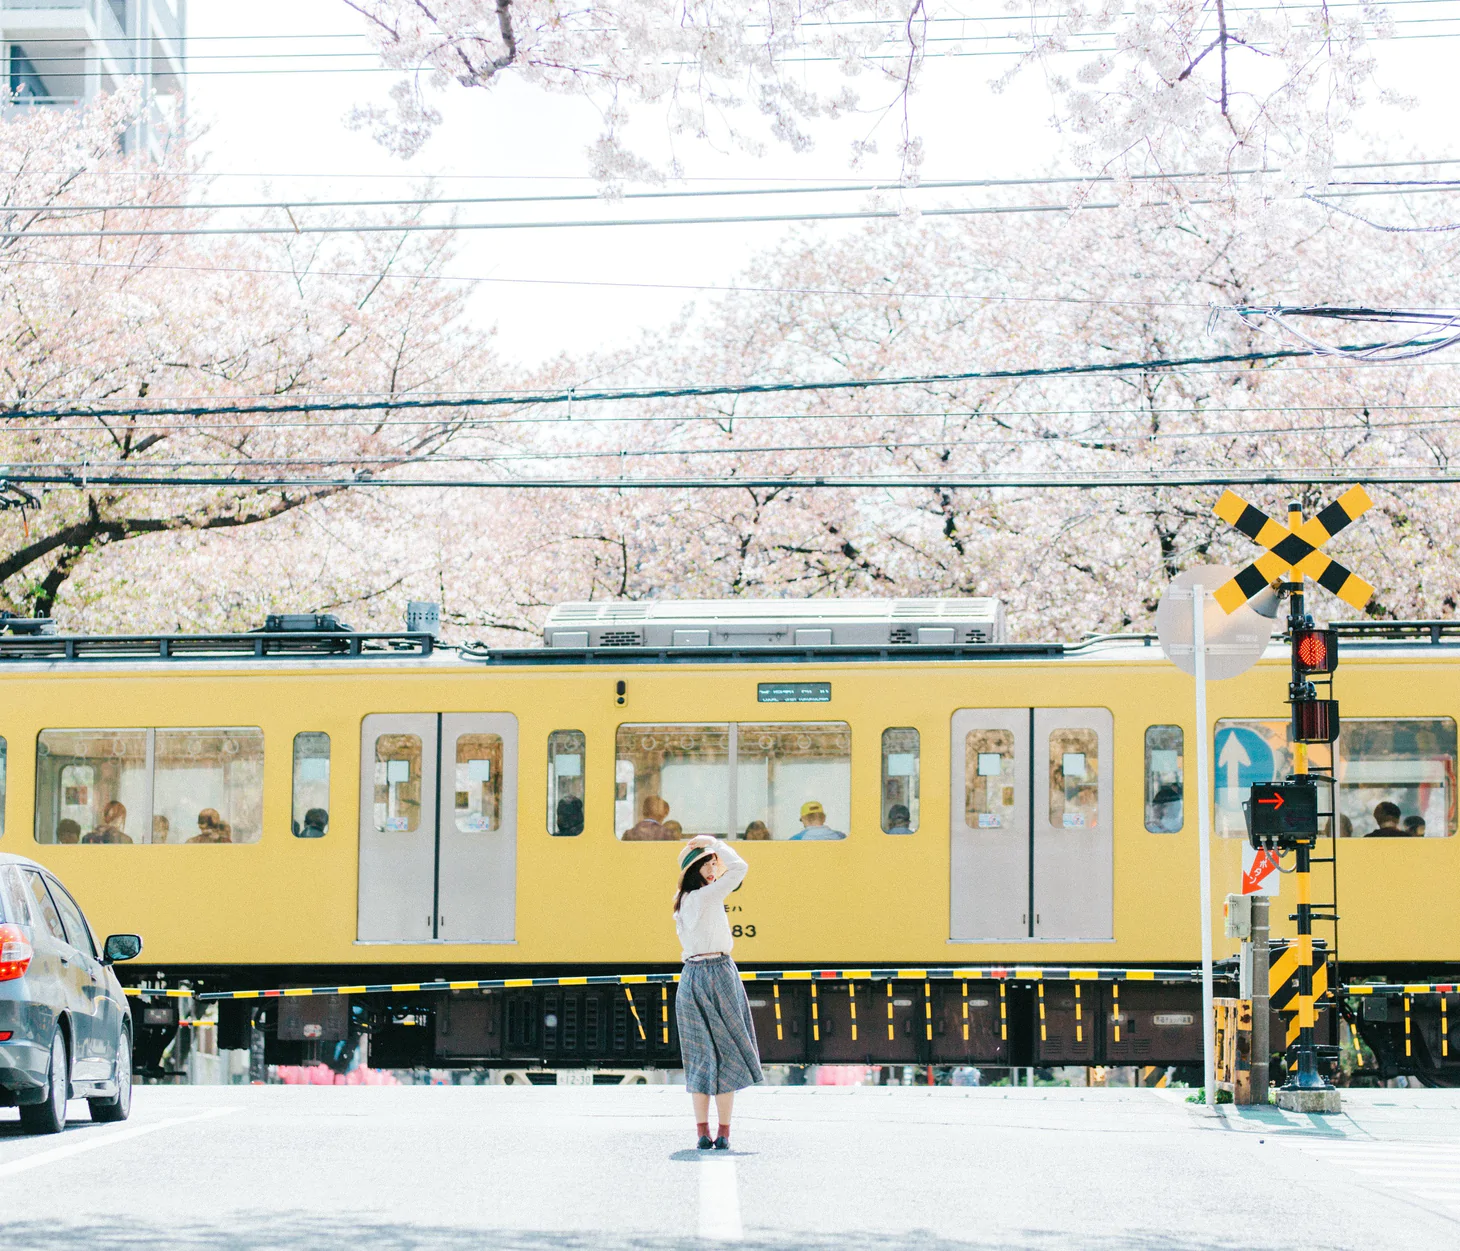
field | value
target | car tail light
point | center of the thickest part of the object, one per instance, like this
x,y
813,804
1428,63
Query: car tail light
x,y
15,953
5,1035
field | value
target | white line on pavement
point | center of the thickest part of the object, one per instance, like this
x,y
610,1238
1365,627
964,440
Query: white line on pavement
x,y
93,1142
1426,1170
719,1200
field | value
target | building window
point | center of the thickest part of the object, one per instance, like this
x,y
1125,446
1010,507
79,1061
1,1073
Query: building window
x,y
310,807
566,754
899,781
782,781
1165,774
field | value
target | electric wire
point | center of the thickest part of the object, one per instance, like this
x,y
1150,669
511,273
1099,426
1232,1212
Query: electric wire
x,y
572,394
1161,479
451,227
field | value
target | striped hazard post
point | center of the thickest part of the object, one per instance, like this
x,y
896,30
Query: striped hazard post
x,y
1299,1011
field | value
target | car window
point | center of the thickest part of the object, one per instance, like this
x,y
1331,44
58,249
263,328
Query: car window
x,y
12,898
41,905
78,933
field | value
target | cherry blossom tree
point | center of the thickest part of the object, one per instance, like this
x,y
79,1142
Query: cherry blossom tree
x,y
94,332
1147,90
995,294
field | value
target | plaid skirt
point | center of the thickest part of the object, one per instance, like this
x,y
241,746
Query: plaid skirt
x,y
716,1035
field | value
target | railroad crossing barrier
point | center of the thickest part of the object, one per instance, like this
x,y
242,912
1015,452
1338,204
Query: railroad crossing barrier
x,y
977,973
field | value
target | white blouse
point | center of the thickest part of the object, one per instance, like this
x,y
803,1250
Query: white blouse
x,y
701,922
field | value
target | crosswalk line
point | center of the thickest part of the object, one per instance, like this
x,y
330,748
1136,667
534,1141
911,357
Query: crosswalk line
x,y
1426,1171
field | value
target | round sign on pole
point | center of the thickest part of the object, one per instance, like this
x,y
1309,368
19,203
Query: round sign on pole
x,y
1234,642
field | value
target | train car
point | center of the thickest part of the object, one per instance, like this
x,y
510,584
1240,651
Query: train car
x,y
306,805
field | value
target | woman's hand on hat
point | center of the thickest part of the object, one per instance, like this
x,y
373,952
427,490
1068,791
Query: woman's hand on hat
x,y
702,840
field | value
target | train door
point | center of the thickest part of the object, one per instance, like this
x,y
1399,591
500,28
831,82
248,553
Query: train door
x,y
438,828
1031,847
1073,842
989,853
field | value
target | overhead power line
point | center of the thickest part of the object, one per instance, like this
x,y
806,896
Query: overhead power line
x,y
610,395
295,228
1163,479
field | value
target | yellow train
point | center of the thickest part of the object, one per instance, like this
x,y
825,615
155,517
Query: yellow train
x,y
312,805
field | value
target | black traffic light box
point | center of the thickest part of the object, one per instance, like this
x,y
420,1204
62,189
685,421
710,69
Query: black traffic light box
x,y
1282,814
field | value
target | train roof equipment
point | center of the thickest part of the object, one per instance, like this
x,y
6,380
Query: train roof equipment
x,y
740,623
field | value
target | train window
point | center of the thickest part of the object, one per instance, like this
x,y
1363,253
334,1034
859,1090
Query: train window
x,y
397,783
566,753
478,782
988,792
793,781
208,785
1396,778
671,782
1165,774
92,786
786,781
1074,773
899,781
310,801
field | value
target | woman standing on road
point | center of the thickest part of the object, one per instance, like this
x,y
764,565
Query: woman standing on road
x,y
716,1034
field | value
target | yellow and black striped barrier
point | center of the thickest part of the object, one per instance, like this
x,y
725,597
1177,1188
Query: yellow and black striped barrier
x,y
1402,988
970,973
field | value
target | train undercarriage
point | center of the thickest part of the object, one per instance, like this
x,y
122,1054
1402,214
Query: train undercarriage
x,y
990,1023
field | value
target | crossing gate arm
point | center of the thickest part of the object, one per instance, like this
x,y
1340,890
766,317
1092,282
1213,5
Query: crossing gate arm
x,y
999,973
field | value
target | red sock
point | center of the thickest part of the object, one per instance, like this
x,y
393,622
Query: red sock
x,y
725,1131
704,1128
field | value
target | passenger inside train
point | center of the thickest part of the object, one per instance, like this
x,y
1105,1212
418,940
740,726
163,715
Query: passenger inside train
x,y
814,827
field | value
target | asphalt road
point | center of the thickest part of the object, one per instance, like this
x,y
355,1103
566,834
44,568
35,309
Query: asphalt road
x,y
861,1169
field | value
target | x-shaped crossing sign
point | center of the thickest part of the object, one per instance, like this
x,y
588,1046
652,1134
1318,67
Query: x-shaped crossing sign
x,y
1295,549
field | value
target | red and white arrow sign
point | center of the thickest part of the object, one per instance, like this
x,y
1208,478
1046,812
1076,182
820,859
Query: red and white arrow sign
x,y
1259,871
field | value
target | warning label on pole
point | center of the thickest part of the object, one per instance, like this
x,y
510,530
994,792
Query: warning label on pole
x,y
1259,872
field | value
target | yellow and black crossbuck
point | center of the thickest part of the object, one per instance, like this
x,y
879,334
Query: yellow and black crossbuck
x,y
1295,549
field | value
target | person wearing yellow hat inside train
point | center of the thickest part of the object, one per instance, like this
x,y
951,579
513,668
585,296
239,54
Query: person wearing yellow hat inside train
x,y
813,821
717,1043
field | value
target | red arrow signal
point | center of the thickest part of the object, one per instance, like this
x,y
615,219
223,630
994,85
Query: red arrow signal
x,y
1276,801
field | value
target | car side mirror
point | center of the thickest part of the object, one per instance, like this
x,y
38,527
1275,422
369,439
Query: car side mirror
x,y
121,947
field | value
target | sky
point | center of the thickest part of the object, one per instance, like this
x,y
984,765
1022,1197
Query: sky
x,y
272,82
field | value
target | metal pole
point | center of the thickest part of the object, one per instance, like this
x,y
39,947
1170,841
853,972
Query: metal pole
x,y
1261,1042
1307,1077
1204,843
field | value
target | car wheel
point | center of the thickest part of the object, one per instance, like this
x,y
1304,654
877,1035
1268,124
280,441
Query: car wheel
x,y
49,1116
119,1106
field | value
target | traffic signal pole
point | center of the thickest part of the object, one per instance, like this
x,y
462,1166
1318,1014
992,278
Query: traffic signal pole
x,y
1301,691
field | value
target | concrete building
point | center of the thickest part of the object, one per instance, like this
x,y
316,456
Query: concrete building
x,y
61,53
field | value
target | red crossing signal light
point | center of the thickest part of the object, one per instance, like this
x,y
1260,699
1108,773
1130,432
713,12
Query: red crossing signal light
x,y
1315,651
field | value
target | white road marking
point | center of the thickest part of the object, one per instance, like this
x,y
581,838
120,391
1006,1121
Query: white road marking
x,y
719,1200
103,1138
1428,1171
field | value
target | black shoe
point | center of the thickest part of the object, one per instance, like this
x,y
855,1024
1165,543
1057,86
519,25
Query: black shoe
x,y
704,1143
721,1143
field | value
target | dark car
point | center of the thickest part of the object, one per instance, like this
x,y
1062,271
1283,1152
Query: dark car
x,y
65,1029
